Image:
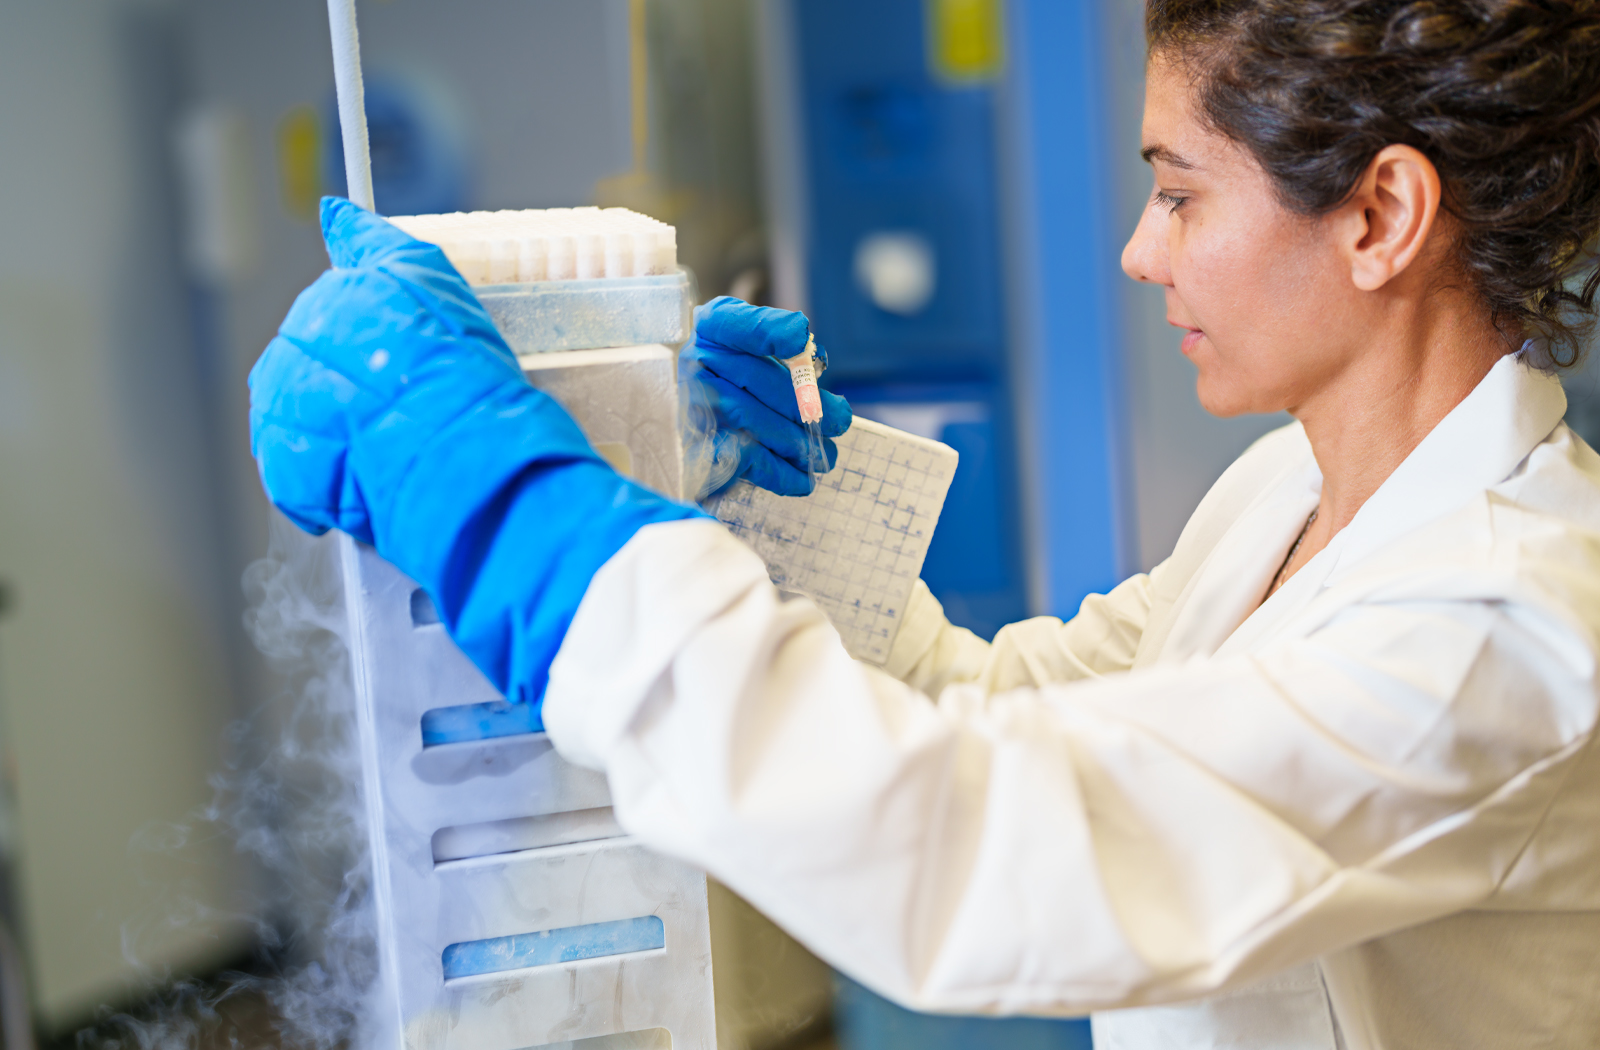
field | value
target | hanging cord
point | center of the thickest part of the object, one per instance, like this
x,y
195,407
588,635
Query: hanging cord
x,y
1277,580
352,101
639,84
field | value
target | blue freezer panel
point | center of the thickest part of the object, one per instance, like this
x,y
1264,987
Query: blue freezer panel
x,y
890,149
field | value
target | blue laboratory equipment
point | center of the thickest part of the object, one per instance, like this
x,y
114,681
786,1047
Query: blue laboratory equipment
x,y
901,232
937,184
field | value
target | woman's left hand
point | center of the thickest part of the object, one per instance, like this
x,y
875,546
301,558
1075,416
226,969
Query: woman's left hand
x,y
736,377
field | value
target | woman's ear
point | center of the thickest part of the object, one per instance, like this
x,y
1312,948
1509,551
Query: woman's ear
x,y
1388,220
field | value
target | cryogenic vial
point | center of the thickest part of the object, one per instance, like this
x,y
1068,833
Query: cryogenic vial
x,y
803,371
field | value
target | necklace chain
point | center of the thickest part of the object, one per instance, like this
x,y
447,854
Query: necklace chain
x,y
1277,578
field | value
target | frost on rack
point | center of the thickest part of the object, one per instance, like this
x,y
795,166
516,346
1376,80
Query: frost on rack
x,y
552,244
511,908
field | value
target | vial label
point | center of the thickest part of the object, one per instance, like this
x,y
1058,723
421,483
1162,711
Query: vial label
x,y
806,394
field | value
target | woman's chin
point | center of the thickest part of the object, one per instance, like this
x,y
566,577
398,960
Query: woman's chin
x,y
1221,399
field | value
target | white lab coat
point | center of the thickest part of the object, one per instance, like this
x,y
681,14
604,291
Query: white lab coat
x,y
1363,814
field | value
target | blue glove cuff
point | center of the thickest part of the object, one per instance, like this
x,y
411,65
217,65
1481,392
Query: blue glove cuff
x,y
504,516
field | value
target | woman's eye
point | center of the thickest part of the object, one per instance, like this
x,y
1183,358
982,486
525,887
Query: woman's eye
x,y
1168,201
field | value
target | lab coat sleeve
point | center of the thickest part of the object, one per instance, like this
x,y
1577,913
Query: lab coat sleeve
x,y
1137,838
930,653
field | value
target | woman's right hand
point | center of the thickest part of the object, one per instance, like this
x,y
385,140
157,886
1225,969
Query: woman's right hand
x,y
742,399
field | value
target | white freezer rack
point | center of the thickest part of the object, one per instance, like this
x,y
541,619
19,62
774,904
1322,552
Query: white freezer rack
x,y
512,911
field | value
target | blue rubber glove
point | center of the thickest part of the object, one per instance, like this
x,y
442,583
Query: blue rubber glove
x,y
736,378
389,407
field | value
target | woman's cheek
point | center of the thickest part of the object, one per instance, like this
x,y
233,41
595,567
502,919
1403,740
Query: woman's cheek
x,y
1197,280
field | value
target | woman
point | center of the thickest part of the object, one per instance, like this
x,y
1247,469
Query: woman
x,y
1324,778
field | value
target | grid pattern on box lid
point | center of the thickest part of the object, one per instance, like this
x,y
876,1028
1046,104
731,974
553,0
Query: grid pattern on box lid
x,y
548,244
856,545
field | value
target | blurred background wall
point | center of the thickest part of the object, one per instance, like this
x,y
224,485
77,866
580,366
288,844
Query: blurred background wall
x,y
117,653
944,185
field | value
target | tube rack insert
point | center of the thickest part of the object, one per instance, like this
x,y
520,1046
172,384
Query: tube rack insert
x,y
568,278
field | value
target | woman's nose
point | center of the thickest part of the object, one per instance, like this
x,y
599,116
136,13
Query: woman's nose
x,y
1144,257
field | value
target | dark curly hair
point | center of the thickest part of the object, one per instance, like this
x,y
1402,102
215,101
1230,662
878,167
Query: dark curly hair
x,y
1503,96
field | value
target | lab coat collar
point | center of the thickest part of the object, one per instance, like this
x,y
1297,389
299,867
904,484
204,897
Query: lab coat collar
x,y
1478,445
1225,593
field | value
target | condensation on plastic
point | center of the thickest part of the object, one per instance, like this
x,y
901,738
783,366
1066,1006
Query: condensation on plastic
x,y
710,456
540,316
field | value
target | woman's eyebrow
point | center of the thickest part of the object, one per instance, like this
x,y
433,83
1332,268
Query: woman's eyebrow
x,y
1151,154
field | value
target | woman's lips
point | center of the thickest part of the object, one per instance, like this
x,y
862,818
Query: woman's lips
x,y
1191,340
